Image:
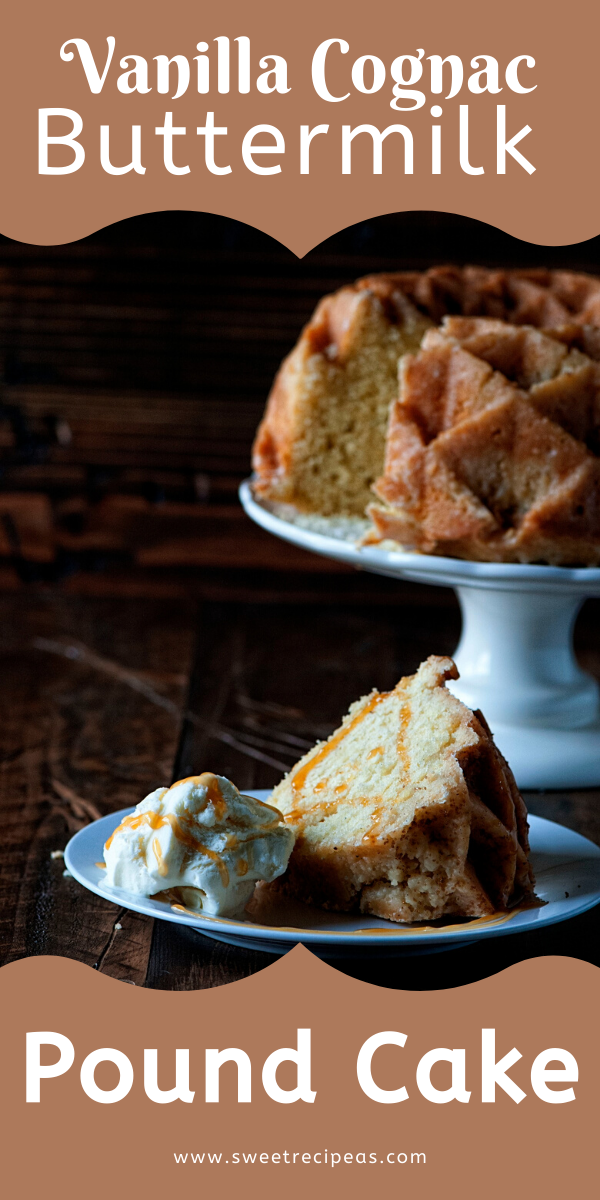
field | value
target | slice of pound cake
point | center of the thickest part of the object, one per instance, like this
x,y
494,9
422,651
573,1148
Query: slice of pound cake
x,y
408,811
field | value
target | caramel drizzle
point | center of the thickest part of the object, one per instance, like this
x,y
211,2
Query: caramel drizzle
x,y
158,854
376,816
299,779
495,918
405,715
189,912
155,821
271,808
395,930
214,794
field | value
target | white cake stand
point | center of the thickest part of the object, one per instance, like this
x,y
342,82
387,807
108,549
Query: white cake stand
x,y
515,655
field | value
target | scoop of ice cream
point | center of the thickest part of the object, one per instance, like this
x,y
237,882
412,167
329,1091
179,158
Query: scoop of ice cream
x,y
199,834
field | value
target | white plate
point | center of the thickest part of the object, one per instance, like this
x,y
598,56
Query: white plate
x,y
567,868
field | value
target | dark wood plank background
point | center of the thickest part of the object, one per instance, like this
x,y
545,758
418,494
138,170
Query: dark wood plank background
x,y
147,629
136,365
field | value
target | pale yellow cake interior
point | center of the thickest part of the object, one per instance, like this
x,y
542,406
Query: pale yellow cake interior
x,y
322,442
389,813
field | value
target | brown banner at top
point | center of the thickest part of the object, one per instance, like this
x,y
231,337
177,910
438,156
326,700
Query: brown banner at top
x,y
299,120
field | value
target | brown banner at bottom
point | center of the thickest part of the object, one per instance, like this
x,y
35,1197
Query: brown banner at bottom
x,y
299,1078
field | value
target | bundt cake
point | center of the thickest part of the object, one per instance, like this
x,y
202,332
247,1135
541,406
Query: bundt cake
x,y
492,448
408,811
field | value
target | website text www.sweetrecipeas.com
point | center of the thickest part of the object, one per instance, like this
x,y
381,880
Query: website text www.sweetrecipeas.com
x,y
329,1158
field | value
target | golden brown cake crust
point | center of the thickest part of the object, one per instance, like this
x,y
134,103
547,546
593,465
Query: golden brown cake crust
x,y
493,446
408,811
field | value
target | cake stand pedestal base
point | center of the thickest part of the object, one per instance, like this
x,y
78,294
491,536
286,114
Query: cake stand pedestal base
x,y
552,759
517,665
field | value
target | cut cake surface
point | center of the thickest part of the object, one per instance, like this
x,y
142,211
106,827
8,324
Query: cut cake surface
x,y
321,442
408,811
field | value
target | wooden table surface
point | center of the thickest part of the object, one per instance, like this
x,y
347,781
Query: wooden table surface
x,y
105,699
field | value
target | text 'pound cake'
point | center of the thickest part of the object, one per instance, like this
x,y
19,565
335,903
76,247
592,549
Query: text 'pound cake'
x,y
519,483
408,811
